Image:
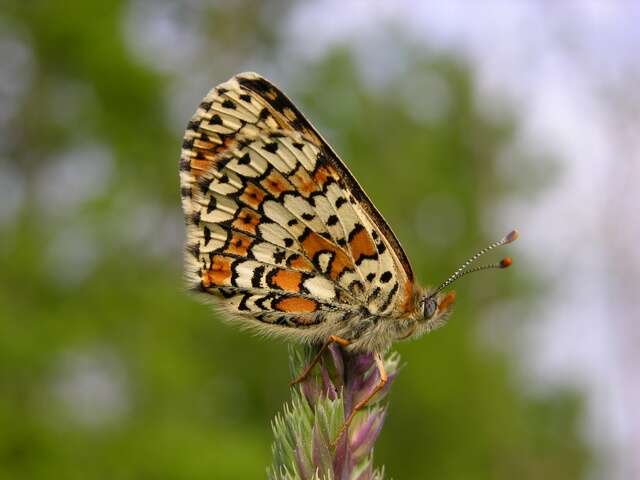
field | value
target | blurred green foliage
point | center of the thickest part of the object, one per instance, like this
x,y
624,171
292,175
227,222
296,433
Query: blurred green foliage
x,y
109,370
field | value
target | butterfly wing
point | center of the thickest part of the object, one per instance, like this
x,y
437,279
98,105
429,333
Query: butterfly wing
x,y
278,229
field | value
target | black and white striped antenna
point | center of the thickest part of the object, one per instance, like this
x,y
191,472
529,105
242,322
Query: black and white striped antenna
x,y
464,268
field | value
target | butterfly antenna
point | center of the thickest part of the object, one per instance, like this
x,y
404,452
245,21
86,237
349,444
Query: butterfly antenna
x,y
464,270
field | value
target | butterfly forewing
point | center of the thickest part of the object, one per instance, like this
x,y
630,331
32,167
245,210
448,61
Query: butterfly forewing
x,y
278,230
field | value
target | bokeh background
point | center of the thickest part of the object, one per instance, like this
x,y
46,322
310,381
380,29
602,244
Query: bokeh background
x,y
461,120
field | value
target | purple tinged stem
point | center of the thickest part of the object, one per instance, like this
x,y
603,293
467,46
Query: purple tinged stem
x,y
338,360
363,440
320,453
327,384
310,391
342,463
303,466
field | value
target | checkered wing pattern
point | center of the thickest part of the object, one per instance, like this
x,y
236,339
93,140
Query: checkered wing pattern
x,y
278,230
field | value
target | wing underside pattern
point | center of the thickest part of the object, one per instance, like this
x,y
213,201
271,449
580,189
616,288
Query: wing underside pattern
x,y
277,227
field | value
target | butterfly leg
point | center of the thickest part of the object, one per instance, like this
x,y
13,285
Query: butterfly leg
x,y
332,339
363,403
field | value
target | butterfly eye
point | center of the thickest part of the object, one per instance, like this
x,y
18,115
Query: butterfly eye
x,y
430,307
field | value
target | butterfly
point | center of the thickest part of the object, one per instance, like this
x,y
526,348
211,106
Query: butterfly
x,y
283,239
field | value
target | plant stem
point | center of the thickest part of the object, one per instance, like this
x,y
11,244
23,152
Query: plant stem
x,y
304,432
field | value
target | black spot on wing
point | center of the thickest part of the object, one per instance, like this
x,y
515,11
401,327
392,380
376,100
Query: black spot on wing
x,y
357,228
304,235
234,271
242,306
374,294
245,159
228,103
264,113
271,147
211,206
279,256
260,303
390,297
204,184
227,292
257,276
194,249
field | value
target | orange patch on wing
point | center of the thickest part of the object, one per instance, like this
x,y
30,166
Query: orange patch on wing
x,y
276,184
361,245
296,305
315,243
227,144
218,147
239,245
247,221
199,166
203,144
409,298
300,263
323,173
287,280
270,94
303,182
219,273
252,196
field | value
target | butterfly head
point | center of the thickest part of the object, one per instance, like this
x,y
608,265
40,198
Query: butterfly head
x,y
433,310
437,303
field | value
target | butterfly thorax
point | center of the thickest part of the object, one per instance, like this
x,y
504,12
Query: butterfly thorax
x,y
370,332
